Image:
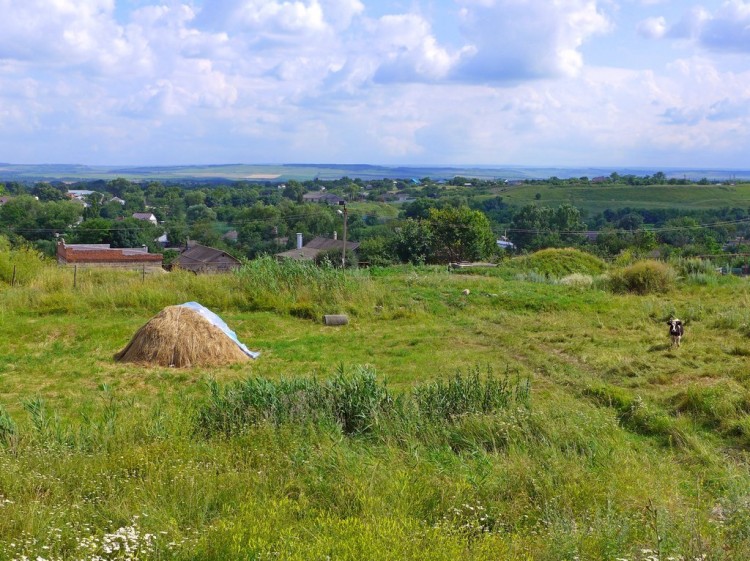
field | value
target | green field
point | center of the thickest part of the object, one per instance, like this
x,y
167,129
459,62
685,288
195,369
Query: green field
x,y
597,198
625,448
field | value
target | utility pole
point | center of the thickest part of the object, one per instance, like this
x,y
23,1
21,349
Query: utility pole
x,y
343,249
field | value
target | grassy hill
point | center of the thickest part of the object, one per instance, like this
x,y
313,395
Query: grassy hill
x,y
610,444
597,198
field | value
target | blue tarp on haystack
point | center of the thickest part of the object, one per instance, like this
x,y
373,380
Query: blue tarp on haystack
x,y
221,324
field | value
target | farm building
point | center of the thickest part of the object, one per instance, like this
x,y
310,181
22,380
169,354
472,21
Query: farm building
x,y
103,255
202,259
310,250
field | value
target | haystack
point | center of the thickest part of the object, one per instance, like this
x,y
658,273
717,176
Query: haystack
x,y
181,336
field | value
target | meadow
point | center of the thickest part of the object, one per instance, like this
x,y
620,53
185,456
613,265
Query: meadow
x,y
542,416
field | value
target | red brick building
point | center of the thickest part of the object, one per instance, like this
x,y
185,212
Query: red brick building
x,y
102,255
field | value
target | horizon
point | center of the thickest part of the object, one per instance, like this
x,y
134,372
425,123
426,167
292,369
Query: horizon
x,y
306,171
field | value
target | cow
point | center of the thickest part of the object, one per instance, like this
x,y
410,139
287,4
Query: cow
x,y
676,331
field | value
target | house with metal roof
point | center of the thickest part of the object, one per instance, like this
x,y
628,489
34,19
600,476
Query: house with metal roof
x,y
203,259
310,250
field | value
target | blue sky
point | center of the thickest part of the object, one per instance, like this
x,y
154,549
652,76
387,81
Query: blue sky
x,y
441,82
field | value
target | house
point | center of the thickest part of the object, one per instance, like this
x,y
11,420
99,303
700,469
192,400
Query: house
x,y
322,197
148,216
505,243
4,200
202,259
79,194
117,200
103,255
310,250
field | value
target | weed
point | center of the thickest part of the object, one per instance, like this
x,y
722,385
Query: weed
x,y
643,277
8,430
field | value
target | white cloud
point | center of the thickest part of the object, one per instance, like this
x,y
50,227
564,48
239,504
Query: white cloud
x,y
518,39
405,50
60,32
652,28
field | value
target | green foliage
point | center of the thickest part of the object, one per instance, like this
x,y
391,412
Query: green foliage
x,y
643,277
353,401
535,227
356,402
332,258
22,264
470,393
291,284
376,251
460,234
8,429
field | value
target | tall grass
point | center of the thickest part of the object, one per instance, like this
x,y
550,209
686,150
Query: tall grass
x,y
355,401
290,287
19,266
559,263
305,289
643,277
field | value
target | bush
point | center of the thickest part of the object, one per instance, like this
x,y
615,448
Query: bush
x,y
687,267
332,258
643,277
20,265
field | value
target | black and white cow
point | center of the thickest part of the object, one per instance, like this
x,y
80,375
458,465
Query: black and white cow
x,y
676,331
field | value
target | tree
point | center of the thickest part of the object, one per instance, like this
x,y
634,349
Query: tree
x,y
199,213
460,234
294,191
46,192
534,227
413,241
93,230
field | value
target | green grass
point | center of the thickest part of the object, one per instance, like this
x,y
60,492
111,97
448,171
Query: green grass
x,y
622,444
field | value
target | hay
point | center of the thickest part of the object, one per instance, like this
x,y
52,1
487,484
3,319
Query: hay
x,y
181,337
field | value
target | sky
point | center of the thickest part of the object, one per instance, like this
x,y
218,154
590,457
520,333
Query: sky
x,y
623,83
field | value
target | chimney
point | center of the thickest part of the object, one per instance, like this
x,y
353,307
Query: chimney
x,y
299,240
335,235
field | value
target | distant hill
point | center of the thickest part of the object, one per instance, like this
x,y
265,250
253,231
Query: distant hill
x,y
302,172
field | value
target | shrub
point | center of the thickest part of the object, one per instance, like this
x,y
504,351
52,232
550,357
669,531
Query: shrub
x,y
20,265
694,266
643,277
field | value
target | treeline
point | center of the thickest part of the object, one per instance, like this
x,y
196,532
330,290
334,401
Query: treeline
x,y
436,222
